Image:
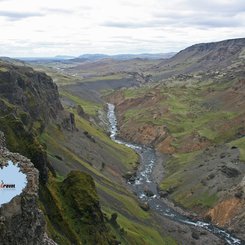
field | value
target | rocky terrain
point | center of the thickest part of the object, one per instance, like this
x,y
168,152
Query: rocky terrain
x,y
21,220
28,102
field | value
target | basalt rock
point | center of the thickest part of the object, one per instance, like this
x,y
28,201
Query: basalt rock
x,y
230,172
80,111
29,101
33,91
21,221
68,121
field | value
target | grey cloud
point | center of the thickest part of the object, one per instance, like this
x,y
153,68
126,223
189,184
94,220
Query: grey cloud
x,y
201,19
57,11
217,22
119,24
234,6
144,24
15,16
196,21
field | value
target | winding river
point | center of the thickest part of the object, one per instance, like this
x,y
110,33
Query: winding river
x,y
144,179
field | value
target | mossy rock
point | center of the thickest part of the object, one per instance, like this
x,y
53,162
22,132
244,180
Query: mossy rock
x,y
83,208
20,139
79,189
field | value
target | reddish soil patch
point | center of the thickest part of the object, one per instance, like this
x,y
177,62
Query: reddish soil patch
x,y
165,146
193,142
225,211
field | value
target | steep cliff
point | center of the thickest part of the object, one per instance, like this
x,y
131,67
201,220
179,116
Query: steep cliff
x,y
21,221
29,100
29,103
73,210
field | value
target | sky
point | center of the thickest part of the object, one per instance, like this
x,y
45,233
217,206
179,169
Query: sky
x,y
11,175
45,28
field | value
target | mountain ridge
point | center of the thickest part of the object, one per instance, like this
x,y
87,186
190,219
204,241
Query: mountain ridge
x,y
203,57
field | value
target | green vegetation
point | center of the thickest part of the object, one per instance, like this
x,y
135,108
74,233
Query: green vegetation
x,y
128,204
73,215
193,115
203,200
53,139
179,183
73,212
135,93
137,233
89,107
240,143
175,165
187,114
114,198
113,77
22,138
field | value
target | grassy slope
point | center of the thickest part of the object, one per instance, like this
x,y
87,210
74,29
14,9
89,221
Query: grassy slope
x,y
91,108
137,230
113,197
188,113
240,143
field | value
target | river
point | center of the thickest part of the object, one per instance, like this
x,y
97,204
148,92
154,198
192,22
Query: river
x,y
144,180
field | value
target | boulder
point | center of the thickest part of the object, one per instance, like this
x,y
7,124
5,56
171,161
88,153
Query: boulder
x,y
148,192
163,194
80,111
130,176
230,172
144,205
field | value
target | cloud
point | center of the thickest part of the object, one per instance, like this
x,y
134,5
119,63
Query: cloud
x,y
144,24
15,16
122,26
58,11
218,6
178,21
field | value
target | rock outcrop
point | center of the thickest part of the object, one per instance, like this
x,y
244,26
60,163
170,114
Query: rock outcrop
x,y
33,91
29,100
21,221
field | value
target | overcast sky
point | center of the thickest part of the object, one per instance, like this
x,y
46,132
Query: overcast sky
x,y
74,27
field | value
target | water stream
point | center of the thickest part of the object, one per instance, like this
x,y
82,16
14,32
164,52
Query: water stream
x,y
144,179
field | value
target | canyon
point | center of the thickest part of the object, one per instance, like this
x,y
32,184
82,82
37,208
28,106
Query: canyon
x,y
185,113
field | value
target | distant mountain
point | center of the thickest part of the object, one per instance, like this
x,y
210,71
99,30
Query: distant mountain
x,y
45,59
143,56
64,57
93,57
